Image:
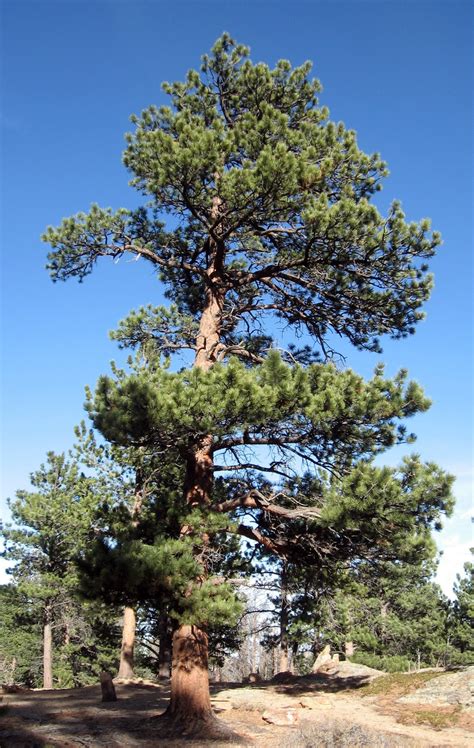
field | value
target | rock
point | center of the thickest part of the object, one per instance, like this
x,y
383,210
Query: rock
x,y
452,689
281,717
328,668
14,689
349,649
335,658
346,669
322,658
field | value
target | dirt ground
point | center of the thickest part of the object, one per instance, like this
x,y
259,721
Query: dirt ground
x,y
329,712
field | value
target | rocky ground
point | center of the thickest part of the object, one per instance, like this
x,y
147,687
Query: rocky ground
x,y
350,707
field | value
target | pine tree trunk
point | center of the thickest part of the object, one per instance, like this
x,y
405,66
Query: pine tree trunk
x,y
47,650
189,711
128,644
190,697
283,664
129,626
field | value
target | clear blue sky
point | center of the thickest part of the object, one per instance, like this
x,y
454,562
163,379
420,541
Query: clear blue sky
x,y
400,73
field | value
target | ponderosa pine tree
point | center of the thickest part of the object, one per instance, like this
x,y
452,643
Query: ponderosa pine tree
x,y
271,219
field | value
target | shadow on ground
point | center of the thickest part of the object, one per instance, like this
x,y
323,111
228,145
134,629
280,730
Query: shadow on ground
x,y
77,718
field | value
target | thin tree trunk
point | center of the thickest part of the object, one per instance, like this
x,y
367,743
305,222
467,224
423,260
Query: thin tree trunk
x,y
128,644
127,651
294,652
47,650
283,664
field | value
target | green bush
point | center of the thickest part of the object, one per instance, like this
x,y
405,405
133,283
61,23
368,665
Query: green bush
x,y
387,663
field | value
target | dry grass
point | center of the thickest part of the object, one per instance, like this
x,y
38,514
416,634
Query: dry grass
x,y
438,718
338,734
397,684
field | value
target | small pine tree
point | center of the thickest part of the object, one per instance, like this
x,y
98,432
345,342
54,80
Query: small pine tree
x,y
51,526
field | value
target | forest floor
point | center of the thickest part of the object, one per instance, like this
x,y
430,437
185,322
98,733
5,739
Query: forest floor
x,y
424,709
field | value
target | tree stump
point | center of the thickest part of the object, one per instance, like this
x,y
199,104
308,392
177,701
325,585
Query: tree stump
x,y
107,686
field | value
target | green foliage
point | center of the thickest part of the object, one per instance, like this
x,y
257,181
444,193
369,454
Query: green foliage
x,y
388,663
323,409
392,613
51,527
20,639
462,621
294,190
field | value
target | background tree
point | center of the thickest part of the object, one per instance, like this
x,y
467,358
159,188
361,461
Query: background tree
x,y
270,216
51,526
20,639
394,615
462,620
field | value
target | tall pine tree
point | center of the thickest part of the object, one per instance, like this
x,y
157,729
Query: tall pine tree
x,y
270,219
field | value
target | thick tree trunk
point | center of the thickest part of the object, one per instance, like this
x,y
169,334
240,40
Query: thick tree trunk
x,y
189,676
47,651
189,713
128,644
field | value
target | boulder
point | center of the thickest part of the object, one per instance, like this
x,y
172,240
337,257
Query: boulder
x,y
322,658
221,705
328,668
451,689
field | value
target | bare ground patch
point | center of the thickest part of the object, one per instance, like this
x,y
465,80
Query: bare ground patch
x,y
330,713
